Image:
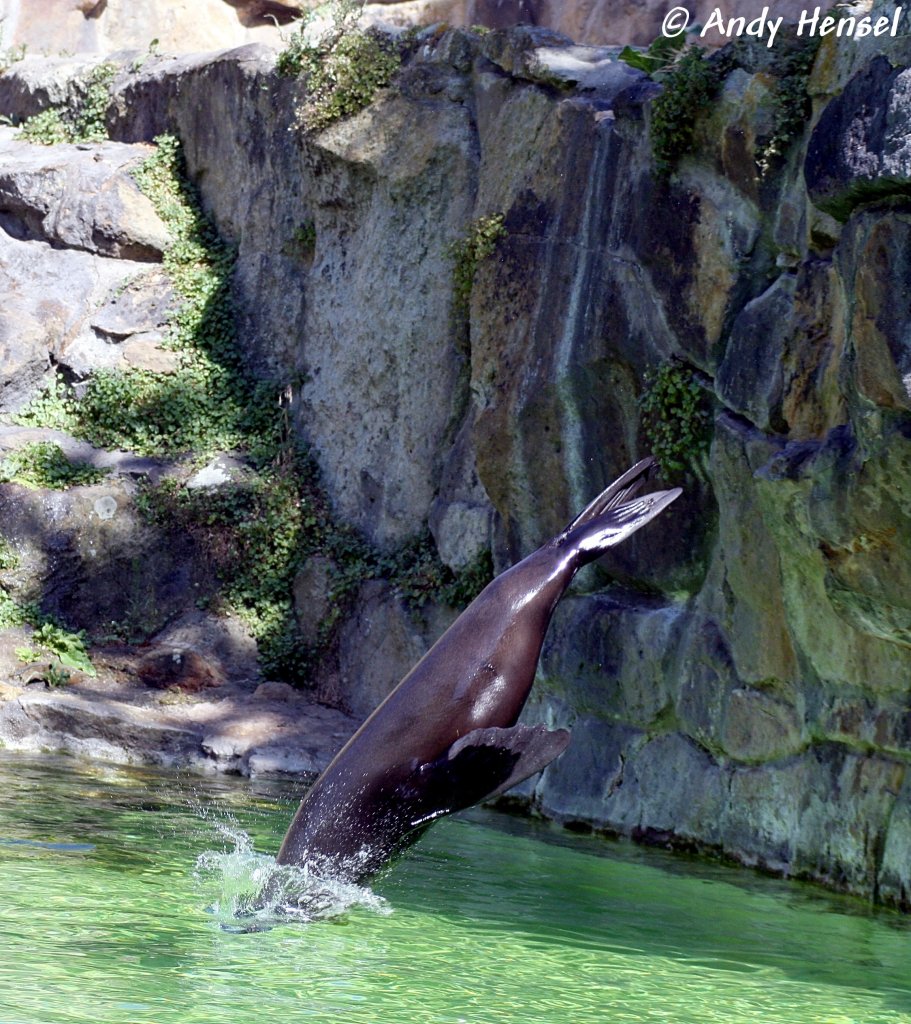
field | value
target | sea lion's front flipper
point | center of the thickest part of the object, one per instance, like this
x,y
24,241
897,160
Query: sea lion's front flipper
x,y
539,746
485,763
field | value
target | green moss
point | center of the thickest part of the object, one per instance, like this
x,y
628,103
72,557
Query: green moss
x,y
44,464
676,418
84,121
688,89
478,244
343,68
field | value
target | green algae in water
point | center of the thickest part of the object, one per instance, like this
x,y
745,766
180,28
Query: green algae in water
x,y
104,919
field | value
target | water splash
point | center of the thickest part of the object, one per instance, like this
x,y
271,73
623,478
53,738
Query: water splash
x,y
255,893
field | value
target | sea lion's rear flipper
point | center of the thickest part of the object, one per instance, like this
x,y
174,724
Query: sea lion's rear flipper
x,y
593,538
622,489
482,764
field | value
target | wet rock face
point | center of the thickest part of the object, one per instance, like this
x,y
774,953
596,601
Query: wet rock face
x,y
736,677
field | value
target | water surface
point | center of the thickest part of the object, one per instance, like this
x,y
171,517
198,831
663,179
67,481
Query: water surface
x,y
107,917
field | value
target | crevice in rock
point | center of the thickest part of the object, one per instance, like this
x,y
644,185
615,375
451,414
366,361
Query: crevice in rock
x,y
20,226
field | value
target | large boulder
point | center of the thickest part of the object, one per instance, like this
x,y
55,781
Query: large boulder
x,y
71,197
50,298
77,235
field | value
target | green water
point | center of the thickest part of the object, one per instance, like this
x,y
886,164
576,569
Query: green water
x,y
105,917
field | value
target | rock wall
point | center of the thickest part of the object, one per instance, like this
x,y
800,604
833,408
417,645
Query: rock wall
x,y
737,676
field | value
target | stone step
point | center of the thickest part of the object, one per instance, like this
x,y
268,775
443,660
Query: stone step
x,y
255,732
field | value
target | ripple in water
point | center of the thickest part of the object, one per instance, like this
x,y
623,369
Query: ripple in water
x,y
255,893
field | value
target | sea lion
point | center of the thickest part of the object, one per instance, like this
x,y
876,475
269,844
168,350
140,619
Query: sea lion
x,y
446,737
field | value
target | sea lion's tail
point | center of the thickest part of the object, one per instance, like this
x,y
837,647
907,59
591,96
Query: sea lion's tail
x,y
622,489
613,516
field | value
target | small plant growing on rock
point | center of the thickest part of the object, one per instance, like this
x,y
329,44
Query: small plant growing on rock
x,y
10,55
46,129
12,612
305,240
478,244
51,408
343,66
690,81
48,636
89,116
69,647
82,122
56,676
676,418
9,559
207,404
44,464
151,51
420,577
660,56
53,675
